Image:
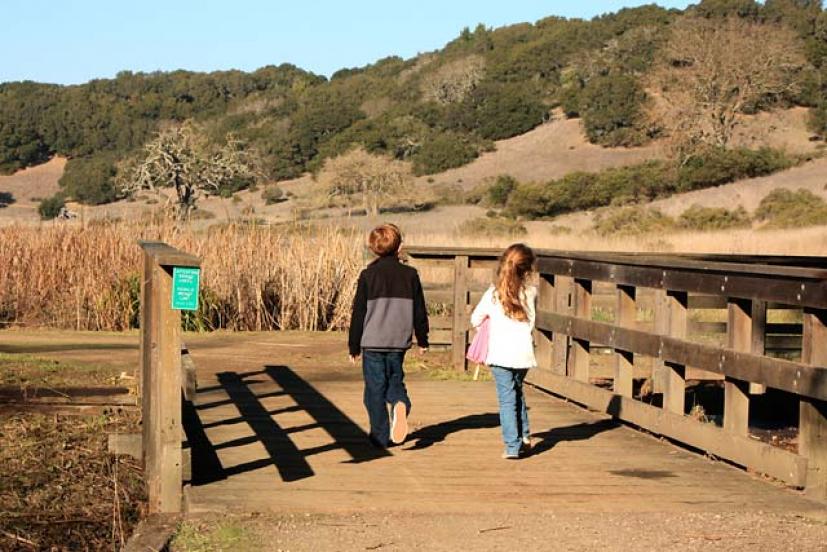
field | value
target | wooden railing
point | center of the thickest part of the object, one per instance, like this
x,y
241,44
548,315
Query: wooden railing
x,y
669,286
163,376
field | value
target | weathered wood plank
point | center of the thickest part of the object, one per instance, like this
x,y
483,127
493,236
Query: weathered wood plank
x,y
459,339
625,316
812,427
546,300
787,290
579,355
564,300
674,392
736,392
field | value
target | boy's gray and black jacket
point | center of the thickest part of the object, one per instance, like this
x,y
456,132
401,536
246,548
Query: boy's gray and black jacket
x,y
388,308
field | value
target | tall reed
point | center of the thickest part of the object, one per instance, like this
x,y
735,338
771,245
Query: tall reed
x,y
253,278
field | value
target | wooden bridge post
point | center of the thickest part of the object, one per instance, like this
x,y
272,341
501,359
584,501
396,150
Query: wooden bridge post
x,y
625,316
563,286
545,301
742,325
161,380
812,424
459,328
674,391
580,348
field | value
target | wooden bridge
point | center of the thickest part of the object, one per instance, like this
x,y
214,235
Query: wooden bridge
x,y
619,334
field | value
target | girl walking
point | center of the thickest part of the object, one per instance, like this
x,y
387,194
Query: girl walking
x,y
509,306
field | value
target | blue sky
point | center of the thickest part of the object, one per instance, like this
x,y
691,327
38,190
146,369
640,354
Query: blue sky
x,y
72,41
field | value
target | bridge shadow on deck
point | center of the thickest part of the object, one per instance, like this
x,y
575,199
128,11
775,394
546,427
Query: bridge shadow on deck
x,y
282,452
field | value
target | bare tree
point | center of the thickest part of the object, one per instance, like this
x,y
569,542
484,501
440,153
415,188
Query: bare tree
x,y
372,179
712,70
180,158
453,81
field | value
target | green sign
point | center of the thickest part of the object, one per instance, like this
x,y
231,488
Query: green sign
x,y
185,288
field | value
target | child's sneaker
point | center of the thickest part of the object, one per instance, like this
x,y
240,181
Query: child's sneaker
x,y
399,423
511,455
526,446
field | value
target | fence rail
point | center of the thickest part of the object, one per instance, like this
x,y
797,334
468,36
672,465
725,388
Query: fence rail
x,y
747,287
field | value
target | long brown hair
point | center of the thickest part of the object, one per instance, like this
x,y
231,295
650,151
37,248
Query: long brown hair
x,y
516,263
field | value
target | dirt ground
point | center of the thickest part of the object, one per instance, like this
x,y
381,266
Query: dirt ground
x,y
698,528
559,532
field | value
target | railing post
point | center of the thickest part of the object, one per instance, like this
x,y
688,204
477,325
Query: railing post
x,y
459,328
161,379
563,304
545,302
625,316
674,390
812,424
580,349
736,392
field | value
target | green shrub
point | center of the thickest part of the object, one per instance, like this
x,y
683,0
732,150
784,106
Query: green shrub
x,y
643,182
50,207
498,192
496,111
492,227
818,120
631,221
713,218
718,166
783,208
442,152
90,180
273,194
579,191
229,187
611,107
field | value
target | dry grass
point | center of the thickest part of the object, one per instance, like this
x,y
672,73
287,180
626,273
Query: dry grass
x,y
271,278
254,278
801,241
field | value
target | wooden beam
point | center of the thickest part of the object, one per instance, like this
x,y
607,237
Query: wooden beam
x,y
812,424
130,444
772,287
459,339
776,462
798,378
661,327
564,303
546,300
161,391
736,391
625,316
674,391
579,356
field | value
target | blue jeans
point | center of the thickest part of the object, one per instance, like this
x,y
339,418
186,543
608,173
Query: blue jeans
x,y
384,384
513,411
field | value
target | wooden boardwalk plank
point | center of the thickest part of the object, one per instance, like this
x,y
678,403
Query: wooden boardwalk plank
x,y
294,441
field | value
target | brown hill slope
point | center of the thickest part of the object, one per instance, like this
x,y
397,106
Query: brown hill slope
x,y
26,188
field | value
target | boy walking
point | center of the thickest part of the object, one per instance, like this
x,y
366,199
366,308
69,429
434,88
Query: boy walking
x,y
388,308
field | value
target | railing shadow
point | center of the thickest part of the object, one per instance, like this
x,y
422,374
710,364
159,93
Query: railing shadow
x,y
282,452
577,432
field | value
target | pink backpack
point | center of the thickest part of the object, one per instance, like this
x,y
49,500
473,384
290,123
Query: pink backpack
x,y
478,350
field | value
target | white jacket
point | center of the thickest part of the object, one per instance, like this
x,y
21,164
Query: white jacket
x,y
510,342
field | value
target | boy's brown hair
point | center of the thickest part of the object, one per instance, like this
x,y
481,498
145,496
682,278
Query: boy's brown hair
x,y
385,240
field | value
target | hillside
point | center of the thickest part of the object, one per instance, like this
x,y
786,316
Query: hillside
x,y
549,151
21,192
439,110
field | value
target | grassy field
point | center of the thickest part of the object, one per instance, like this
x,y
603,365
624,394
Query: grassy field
x,y
61,489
